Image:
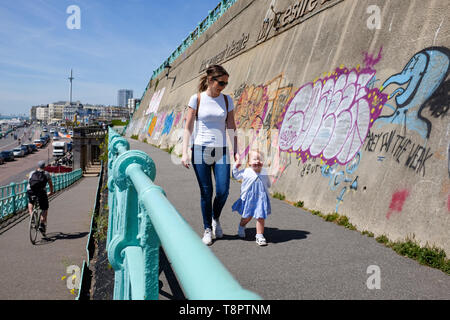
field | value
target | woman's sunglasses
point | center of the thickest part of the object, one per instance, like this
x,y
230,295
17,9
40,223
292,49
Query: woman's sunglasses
x,y
221,83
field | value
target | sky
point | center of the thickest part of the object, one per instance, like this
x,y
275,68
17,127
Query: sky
x,y
117,46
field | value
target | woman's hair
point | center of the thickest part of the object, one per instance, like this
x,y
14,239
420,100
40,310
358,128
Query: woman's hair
x,y
214,71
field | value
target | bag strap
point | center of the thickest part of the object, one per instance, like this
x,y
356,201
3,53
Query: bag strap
x,y
198,105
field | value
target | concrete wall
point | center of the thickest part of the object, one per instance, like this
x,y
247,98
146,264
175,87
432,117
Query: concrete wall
x,y
349,99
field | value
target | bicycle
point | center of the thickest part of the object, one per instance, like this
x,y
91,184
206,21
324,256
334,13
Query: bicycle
x,y
35,221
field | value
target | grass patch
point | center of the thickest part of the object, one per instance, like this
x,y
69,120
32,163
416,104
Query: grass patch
x,y
382,239
367,233
317,213
279,196
343,221
135,137
299,204
331,217
429,256
101,224
169,149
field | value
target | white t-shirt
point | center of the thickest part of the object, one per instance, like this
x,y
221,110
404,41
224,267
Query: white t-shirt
x,y
210,127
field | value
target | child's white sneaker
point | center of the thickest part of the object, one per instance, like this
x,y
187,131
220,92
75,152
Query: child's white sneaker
x,y
241,231
217,229
207,237
260,240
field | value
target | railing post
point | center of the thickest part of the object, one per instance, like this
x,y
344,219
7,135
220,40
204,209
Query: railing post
x,y
13,197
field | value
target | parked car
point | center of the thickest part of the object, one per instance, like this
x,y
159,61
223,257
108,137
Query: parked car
x,y
33,147
38,143
18,152
25,149
29,147
8,155
2,160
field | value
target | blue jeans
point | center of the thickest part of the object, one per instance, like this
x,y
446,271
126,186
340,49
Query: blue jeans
x,y
207,160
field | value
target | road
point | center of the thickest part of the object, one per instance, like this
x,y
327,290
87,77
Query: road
x,y
16,171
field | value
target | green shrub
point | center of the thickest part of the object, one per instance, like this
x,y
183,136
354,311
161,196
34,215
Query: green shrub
x,y
299,204
280,196
382,239
331,217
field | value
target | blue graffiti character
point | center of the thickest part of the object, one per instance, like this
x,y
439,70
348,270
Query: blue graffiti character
x,y
422,76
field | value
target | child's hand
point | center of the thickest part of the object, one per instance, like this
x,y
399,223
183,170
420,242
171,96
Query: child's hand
x,y
237,160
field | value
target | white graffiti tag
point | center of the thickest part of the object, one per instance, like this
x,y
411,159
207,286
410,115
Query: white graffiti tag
x,y
331,117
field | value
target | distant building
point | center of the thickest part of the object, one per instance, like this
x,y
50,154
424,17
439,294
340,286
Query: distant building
x,y
70,110
122,97
56,111
132,103
42,113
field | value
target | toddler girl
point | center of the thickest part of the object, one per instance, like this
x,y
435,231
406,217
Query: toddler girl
x,y
254,201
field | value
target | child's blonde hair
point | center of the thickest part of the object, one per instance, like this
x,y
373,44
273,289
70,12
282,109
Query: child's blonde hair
x,y
254,150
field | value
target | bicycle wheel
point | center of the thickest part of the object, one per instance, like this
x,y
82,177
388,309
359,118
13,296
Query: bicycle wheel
x,y
34,226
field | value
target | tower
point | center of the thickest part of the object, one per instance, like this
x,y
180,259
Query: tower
x,y
71,78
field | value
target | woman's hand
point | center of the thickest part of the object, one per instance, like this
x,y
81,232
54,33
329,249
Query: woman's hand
x,y
185,160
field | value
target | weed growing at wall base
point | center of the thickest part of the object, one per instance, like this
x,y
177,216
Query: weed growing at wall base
x,y
430,256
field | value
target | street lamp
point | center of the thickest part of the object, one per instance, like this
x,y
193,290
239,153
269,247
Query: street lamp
x,y
167,66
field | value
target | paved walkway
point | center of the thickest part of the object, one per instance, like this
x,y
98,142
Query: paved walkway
x,y
34,272
307,257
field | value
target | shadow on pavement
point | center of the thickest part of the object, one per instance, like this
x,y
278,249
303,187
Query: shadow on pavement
x,y
273,235
52,237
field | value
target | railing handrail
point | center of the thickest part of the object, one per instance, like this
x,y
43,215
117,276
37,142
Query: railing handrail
x,y
142,219
13,197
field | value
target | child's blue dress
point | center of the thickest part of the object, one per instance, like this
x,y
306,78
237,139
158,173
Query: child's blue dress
x,y
255,202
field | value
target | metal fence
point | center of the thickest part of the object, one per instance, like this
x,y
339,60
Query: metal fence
x,y
13,197
141,219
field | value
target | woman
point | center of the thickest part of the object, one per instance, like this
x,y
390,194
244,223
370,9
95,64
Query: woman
x,y
212,113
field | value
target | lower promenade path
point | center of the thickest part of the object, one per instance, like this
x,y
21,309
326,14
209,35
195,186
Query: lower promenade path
x,y
306,257
35,272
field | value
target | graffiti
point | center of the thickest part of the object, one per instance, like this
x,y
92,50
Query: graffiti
x,y
155,101
439,103
152,125
422,76
294,13
331,117
167,124
397,202
403,149
337,178
309,168
228,51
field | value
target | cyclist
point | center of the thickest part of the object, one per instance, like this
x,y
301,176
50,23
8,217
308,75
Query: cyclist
x,y
37,186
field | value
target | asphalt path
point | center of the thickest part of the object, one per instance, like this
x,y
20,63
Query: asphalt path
x,y
306,257
40,272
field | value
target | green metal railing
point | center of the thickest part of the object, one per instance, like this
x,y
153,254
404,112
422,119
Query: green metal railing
x,y
141,219
13,197
213,15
